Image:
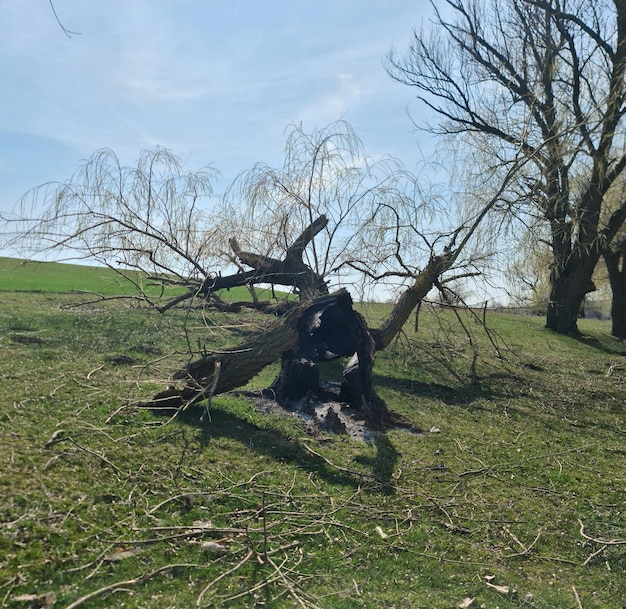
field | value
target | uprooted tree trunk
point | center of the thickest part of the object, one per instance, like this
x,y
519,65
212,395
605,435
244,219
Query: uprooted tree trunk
x,y
323,329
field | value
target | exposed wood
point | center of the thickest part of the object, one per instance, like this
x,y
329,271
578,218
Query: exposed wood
x,y
320,330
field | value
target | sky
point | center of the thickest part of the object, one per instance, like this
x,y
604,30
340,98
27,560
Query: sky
x,y
217,82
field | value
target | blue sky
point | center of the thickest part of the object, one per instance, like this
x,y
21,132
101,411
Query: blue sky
x,y
217,82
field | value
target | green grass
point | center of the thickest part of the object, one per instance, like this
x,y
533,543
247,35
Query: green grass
x,y
527,443
17,275
54,277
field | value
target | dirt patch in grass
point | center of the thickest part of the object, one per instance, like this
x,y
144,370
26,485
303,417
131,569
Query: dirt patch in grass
x,y
327,415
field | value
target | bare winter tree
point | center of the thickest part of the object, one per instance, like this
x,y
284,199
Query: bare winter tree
x,y
545,77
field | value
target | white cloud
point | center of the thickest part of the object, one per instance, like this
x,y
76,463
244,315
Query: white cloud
x,y
218,82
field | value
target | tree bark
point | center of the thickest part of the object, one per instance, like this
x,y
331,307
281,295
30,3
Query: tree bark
x,y
394,322
291,271
617,279
570,285
321,330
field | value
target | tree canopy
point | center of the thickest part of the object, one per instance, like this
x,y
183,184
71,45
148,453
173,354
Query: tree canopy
x,y
544,78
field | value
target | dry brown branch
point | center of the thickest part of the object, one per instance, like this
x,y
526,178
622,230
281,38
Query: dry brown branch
x,y
345,470
594,554
130,582
607,542
291,587
259,586
59,437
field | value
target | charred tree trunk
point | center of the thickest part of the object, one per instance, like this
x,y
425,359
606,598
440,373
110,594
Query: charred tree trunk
x,y
322,330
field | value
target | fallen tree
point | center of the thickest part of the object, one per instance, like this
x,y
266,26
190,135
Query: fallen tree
x,y
323,329
329,214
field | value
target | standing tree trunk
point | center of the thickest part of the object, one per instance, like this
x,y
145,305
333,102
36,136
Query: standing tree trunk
x,y
617,279
566,298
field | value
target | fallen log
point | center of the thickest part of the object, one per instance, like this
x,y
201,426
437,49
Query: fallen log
x,y
324,329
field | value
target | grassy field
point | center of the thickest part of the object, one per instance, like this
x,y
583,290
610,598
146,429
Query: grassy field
x,y
513,495
53,277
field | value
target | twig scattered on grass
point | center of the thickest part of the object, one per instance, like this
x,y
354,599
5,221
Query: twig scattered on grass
x,y
130,582
291,587
94,371
221,576
594,554
507,465
60,437
525,550
606,542
344,470
580,605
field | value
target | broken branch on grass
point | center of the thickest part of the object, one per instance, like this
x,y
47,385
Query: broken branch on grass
x,y
607,542
291,588
580,605
594,554
345,470
130,582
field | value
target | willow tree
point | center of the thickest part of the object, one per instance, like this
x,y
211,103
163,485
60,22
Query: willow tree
x,y
329,218
544,77
150,222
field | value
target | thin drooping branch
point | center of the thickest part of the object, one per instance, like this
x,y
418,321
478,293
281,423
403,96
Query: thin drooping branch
x,y
437,265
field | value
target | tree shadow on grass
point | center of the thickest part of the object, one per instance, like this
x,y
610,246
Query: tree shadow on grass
x,y
284,448
598,345
474,389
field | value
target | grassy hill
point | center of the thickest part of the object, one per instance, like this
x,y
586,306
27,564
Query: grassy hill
x,y
54,277
513,496
18,275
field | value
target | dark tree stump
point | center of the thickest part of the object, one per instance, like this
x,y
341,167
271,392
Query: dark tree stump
x,y
298,378
322,330
331,329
